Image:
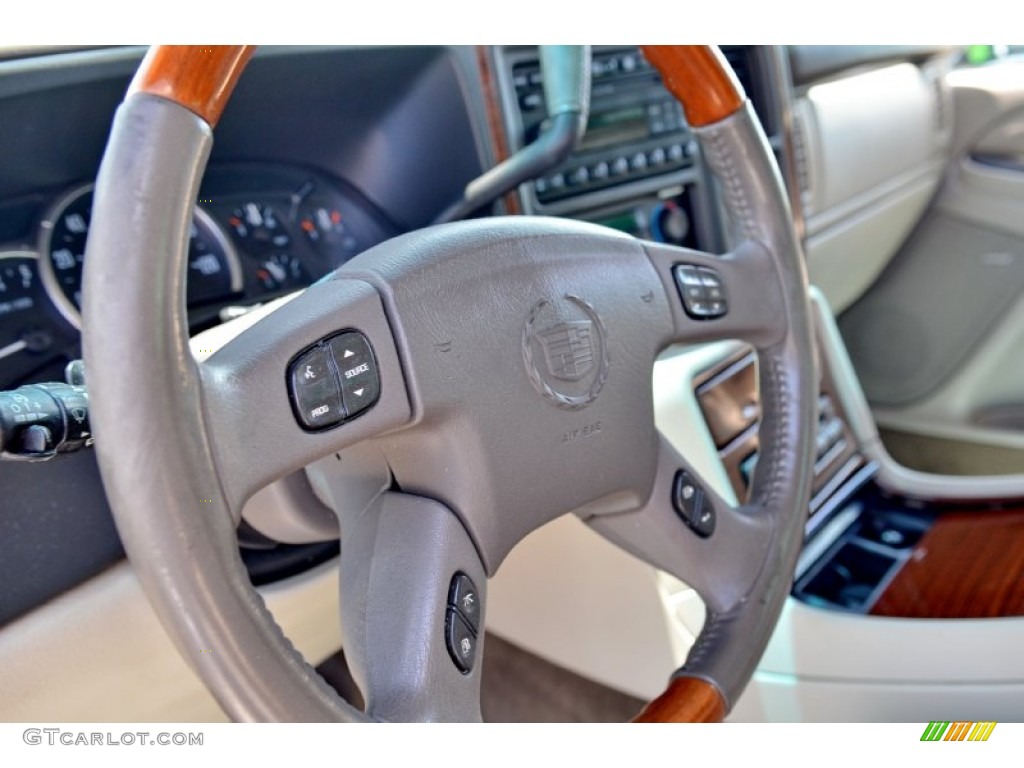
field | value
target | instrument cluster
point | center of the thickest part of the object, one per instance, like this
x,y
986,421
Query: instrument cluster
x,y
258,232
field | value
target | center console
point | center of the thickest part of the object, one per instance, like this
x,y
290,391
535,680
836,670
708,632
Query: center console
x,y
883,549
637,168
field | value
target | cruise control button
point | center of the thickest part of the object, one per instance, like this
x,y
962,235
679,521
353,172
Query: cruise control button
x,y
357,369
714,292
713,288
463,596
314,390
460,640
691,287
693,505
715,309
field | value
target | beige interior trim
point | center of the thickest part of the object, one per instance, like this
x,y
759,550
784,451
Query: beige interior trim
x,y
893,476
985,195
865,129
845,258
994,375
99,654
983,95
873,153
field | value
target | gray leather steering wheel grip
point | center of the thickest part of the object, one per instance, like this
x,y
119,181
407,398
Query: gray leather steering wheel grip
x,y
494,340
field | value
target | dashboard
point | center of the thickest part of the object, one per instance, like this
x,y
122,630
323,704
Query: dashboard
x,y
286,199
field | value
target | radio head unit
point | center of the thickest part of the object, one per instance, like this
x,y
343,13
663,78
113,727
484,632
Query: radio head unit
x,y
635,131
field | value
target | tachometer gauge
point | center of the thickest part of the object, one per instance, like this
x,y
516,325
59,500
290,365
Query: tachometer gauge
x,y
213,269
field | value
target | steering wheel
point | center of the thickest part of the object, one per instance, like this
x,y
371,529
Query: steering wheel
x,y
505,376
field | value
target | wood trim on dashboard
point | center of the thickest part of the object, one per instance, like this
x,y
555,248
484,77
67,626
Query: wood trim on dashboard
x,y
686,700
495,124
700,78
969,565
198,77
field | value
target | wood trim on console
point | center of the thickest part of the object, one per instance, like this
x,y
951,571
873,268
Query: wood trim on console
x,y
198,77
969,565
686,700
700,78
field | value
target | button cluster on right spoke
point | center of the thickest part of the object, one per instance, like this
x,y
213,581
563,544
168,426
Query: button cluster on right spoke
x,y
702,291
693,505
462,621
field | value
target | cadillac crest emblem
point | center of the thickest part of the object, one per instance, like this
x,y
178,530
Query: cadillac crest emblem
x,y
565,351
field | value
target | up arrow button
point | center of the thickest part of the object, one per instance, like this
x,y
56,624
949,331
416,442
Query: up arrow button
x,y
357,370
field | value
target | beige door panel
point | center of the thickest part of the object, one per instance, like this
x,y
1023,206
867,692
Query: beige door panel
x,y
870,148
967,383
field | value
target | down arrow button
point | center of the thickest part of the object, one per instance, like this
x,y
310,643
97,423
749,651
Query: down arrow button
x,y
357,369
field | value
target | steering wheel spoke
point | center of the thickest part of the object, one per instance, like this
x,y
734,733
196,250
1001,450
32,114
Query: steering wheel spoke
x,y
412,602
689,531
313,376
735,296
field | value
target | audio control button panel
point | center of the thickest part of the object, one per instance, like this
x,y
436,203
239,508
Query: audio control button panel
x,y
333,381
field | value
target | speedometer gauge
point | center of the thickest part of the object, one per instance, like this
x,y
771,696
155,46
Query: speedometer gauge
x,y
213,269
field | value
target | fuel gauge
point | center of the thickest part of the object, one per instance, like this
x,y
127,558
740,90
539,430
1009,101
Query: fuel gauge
x,y
281,270
326,229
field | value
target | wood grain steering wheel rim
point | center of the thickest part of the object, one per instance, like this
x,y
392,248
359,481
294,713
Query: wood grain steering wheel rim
x,y
202,78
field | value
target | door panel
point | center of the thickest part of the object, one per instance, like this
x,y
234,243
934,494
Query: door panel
x,y
938,340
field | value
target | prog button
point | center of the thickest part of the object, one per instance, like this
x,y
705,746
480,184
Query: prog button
x,y
316,396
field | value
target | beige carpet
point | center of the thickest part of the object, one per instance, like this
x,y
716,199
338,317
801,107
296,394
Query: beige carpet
x,y
519,687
